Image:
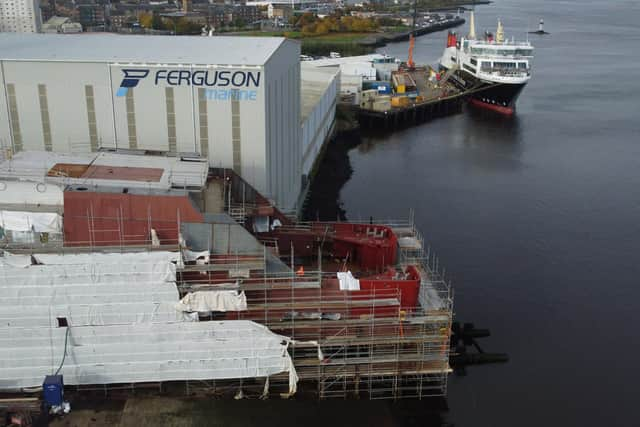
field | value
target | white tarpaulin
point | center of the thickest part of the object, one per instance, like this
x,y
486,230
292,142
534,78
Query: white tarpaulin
x,y
88,289
12,260
40,222
23,193
348,282
123,324
137,258
206,301
169,351
193,256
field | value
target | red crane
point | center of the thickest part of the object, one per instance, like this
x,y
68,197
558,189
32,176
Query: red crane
x,y
412,43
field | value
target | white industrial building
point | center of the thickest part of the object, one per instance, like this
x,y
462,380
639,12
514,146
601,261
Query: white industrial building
x,y
20,16
354,70
320,87
235,100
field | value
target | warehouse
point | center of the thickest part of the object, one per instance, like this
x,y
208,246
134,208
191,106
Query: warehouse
x,y
320,87
234,100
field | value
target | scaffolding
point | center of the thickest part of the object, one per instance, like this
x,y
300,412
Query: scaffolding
x,y
348,345
343,344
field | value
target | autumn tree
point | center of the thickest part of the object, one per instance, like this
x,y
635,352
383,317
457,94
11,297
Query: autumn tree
x,y
146,20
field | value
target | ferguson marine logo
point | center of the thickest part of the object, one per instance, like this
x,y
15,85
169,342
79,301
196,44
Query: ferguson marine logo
x,y
240,82
131,79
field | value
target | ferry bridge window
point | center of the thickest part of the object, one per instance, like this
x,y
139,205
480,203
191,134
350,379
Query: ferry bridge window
x,y
523,52
485,66
473,61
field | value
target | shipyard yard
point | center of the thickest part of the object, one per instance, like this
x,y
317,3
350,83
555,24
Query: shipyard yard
x,y
212,231
158,246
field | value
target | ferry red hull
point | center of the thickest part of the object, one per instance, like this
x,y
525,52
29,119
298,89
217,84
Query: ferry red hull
x,y
507,111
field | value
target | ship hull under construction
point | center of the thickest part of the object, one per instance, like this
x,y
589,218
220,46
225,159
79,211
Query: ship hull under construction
x,y
227,293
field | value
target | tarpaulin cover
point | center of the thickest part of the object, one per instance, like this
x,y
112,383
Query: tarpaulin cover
x,y
192,256
167,351
206,301
123,325
40,222
348,282
88,289
13,260
136,258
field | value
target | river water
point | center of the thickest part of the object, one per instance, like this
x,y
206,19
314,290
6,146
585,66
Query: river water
x,y
536,218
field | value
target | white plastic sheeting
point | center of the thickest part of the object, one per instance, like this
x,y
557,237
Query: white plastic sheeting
x,y
12,260
22,193
348,282
40,222
143,352
123,324
139,259
207,301
88,289
193,256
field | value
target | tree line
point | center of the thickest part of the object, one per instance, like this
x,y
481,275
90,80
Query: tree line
x,y
179,25
310,24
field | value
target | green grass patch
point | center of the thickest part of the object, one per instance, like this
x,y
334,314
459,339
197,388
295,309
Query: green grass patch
x,y
397,29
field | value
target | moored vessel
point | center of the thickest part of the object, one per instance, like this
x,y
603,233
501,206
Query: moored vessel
x,y
501,66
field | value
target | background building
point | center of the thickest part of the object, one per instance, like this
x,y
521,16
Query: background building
x,y
20,16
61,24
92,16
281,11
235,100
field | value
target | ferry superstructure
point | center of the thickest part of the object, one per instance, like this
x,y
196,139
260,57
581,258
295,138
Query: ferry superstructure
x,y
502,65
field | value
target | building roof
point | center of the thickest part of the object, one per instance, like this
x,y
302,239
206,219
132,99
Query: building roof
x,y
56,21
138,48
314,84
330,62
131,169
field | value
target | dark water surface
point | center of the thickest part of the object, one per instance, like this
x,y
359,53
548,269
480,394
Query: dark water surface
x,y
537,218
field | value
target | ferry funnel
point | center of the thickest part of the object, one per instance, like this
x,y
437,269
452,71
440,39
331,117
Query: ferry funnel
x,y
451,39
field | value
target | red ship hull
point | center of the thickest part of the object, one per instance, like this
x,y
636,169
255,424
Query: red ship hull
x,y
507,111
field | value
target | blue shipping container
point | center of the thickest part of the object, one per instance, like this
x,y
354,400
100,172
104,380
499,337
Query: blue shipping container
x,y
382,87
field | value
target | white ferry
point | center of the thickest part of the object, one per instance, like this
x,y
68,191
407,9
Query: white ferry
x,y
501,66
